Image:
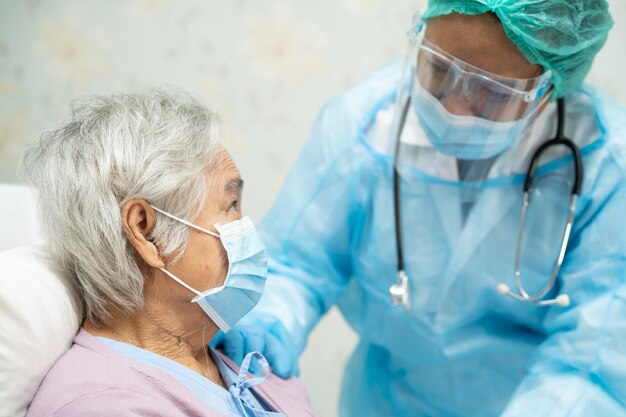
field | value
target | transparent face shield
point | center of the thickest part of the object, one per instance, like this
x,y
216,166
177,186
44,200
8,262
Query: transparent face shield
x,y
480,93
497,111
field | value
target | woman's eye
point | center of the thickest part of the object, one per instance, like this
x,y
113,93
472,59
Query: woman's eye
x,y
234,204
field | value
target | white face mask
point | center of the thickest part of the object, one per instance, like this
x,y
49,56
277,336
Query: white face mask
x,y
247,272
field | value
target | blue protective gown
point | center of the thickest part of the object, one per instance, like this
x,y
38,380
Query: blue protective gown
x,y
462,350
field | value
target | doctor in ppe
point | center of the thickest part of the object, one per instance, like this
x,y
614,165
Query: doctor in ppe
x,y
465,211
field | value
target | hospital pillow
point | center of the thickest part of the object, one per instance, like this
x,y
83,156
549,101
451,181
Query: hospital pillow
x,y
39,316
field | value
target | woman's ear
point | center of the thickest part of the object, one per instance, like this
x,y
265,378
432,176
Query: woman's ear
x,y
139,220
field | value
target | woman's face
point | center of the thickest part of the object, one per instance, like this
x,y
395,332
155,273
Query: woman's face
x,y
204,263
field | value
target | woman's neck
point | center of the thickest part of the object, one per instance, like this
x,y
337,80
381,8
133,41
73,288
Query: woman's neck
x,y
164,335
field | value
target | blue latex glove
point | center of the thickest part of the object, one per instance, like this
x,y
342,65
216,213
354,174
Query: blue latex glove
x,y
267,336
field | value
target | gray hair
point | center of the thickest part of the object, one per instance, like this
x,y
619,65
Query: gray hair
x,y
157,146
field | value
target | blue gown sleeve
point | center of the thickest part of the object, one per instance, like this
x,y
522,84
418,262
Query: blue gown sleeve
x,y
580,369
308,230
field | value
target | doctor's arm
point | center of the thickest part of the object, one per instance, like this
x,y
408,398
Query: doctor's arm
x,y
307,234
580,369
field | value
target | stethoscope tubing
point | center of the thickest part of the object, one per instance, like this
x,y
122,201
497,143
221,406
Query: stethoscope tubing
x,y
400,290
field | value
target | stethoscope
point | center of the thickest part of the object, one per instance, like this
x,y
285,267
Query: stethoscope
x,y
400,290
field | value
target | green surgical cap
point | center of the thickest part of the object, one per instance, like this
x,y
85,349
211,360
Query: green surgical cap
x,y
560,35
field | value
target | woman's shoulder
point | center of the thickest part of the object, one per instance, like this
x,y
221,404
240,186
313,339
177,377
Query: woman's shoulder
x,y
78,373
94,380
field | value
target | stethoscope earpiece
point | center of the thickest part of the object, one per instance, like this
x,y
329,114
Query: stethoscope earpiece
x,y
503,289
562,300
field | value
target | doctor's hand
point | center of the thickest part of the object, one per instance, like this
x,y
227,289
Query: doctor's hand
x,y
267,336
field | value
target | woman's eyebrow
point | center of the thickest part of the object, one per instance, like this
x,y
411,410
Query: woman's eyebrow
x,y
234,185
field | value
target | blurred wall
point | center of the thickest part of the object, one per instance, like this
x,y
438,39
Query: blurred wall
x,y
267,65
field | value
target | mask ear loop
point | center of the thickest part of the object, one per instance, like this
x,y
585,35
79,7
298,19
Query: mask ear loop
x,y
185,222
175,278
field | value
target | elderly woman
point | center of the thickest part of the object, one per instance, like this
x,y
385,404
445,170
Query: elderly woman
x,y
142,207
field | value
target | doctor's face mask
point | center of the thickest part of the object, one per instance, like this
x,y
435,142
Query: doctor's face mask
x,y
247,272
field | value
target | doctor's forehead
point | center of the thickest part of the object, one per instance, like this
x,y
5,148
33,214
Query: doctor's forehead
x,y
480,40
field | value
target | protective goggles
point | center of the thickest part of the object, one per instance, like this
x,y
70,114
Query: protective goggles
x,y
486,95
